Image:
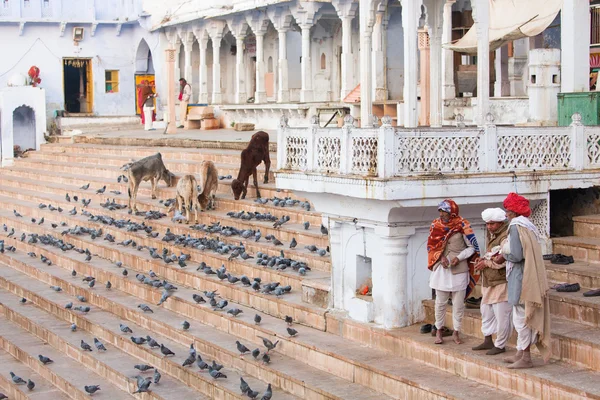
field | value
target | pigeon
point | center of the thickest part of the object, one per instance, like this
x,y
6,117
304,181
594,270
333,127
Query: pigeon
x,y
85,187
23,236
157,377
216,374
143,385
73,273
185,325
11,233
251,394
189,361
257,319
277,242
292,332
81,298
268,394
17,214
41,221
99,345
100,191
85,346
88,258
293,243
138,340
32,254
241,348
23,300
201,363
268,344
16,379
92,283
324,230
30,384
266,358
145,308
124,273
45,360
92,389
289,320
73,327
125,328
165,350
198,299
152,343
306,225
108,284
244,386
69,305
143,367
235,312
67,198
216,366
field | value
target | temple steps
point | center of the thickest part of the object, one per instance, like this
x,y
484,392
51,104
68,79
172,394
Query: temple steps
x,y
386,374
586,226
556,380
573,343
43,390
113,365
586,274
70,371
139,262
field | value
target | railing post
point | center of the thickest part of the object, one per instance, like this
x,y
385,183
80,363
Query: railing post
x,y
311,144
578,143
282,142
488,154
345,150
385,148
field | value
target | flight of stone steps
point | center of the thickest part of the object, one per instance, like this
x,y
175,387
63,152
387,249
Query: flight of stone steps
x,y
331,357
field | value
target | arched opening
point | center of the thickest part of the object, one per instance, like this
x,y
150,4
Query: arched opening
x,y
270,65
24,128
144,71
323,61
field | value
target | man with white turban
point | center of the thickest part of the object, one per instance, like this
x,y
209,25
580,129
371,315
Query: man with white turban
x,y
495,309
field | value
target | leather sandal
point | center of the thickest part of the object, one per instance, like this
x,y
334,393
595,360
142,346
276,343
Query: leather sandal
x,y
426,328
561,259
568,287
592,293
445,331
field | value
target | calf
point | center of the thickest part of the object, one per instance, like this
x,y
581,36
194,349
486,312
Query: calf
x,y
209,180
187,197
256,152
150,169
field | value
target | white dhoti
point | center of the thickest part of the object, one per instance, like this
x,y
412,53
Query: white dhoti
x,y
148,117
495,319
525,336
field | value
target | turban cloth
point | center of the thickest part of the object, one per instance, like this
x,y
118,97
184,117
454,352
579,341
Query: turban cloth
x,y
493,215
517,204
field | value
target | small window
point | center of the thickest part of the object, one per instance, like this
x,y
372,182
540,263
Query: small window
x,y
323,61
533,78
112,81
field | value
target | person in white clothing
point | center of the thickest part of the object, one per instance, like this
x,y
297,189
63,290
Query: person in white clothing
x,y
450,247
185,93
495,309
149,111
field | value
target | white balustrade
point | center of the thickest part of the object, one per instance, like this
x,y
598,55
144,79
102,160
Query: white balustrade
x,y
388,152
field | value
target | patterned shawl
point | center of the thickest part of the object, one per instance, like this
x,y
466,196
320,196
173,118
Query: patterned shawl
x,y
440,232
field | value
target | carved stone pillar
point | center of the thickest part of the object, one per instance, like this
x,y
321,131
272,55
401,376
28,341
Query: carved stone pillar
x,y
176,65
448,87
366,66
306,93
283,92
411,11
501,86
425,81
240,71
187,48
203,96
170,56
435,18
217,97
261,95
378,60
347,62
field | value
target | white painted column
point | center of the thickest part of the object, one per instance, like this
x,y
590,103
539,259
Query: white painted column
x,y
203,96
177,66
378,73
575,45
448,88
390,277
501,86
366,66
240,72
187,48
306,93
261,94
347,58
283,92
217,97
482,21
435,70
411,10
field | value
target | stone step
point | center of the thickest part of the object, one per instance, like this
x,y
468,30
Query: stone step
x,y
557,379
66,373
574,343
164,326
581,248
290,304
379,371
586,274
88,153
111,183
587,226
113,365
143,140
66,164
43,390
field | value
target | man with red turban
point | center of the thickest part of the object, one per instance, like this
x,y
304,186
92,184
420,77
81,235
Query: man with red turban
x,y
451,249
527,283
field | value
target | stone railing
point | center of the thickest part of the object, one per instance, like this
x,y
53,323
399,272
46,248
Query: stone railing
x,y
387,152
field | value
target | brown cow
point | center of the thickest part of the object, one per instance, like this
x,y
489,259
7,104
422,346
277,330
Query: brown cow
x,y
256,152
209,181
187,197
151,169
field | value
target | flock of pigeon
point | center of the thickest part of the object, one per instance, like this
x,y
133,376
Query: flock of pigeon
x,y
217,303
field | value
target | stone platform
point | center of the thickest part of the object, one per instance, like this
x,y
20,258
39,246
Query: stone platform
x,y
332,357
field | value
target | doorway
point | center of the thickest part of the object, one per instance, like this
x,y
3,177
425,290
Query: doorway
x,y
78,85
24,128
